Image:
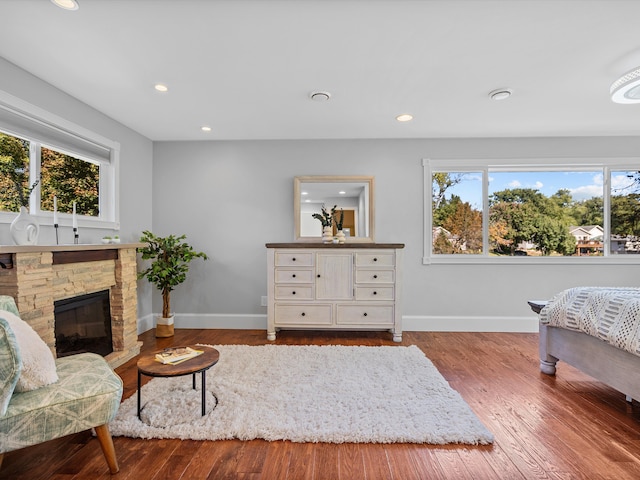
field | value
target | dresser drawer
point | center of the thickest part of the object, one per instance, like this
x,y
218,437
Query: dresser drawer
x,y
294,259
294,292
372,259
374,276
302,315
294,276
374,293
364,315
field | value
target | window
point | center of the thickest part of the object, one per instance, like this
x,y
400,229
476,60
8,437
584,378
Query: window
x,y
480,210
43,156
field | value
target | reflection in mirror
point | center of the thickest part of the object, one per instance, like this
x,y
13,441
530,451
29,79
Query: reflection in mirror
x,y
352,194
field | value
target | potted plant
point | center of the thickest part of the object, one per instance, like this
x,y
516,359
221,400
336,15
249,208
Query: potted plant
x,y
326,218
170,258
339,221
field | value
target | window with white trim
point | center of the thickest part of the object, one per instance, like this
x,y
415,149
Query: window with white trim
x,y
43,157
534,208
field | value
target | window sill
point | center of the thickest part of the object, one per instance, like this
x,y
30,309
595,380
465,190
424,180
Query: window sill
x,y
483,260
64,221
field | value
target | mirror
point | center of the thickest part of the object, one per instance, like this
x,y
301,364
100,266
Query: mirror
x,y
352,194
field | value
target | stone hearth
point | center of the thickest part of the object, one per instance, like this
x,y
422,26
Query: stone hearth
x,y
37,276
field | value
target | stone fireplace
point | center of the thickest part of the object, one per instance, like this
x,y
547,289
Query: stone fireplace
x,y
38,276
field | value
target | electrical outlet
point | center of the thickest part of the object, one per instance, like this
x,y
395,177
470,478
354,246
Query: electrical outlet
x,y
263,301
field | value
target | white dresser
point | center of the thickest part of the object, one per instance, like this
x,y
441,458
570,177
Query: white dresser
x,y
332,286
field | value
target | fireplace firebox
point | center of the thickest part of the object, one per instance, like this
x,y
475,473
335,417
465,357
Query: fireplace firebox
x,y
83,324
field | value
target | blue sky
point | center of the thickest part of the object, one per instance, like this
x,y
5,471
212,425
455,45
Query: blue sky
x,y
582,185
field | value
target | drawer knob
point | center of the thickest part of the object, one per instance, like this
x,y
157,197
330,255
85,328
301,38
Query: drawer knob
x,y
318,275
303,314
375,293
375,276
293,259
294,275
293,293
375,259
364,314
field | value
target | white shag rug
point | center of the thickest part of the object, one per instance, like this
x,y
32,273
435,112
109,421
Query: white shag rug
x,y
332,394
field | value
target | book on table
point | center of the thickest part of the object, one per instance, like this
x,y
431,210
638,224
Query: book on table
x,y
173,356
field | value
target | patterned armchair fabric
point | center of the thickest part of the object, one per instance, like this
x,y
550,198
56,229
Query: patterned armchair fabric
x,y
87,395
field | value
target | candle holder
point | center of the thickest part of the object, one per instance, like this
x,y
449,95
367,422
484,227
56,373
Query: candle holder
x,y
75,236
55,225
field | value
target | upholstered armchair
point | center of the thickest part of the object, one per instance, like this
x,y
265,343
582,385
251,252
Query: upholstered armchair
x,y
68,395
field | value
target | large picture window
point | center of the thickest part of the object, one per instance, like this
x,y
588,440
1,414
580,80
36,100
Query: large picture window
x,y
481,210
43,157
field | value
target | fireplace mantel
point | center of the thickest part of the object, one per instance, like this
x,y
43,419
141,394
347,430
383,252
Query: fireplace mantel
x,y
38,275
67,247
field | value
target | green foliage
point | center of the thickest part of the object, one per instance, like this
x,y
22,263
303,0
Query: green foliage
x,y
625,217
338,220
522,215
68,178
14,167
326,218
170,263
530,216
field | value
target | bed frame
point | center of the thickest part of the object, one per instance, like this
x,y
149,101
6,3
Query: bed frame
x,y
617,368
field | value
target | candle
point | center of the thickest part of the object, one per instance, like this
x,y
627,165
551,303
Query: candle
x,y
75,220
55,210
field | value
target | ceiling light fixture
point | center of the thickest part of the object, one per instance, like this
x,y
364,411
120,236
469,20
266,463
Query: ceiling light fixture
x,y
66,4
627,88
320,96
405,117
205,128
500,94
161,88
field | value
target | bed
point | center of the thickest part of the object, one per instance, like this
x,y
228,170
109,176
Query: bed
x,y
596,330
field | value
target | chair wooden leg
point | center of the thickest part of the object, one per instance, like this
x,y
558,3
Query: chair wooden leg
x,y
106,443
1,458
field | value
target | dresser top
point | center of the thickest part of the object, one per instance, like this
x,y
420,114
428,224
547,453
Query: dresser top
x,y
335,245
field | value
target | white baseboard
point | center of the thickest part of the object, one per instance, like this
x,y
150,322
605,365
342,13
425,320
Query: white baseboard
x,y
410,323
425,323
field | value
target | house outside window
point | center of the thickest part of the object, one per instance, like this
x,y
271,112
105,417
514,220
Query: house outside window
x,y
492,211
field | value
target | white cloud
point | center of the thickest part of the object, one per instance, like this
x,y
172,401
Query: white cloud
x,y
514,184
586,192
538,185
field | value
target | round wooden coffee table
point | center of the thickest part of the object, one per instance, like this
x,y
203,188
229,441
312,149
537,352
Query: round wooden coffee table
x,y
149,366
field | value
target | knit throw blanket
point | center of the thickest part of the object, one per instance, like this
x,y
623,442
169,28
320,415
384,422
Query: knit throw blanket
x,y
610,314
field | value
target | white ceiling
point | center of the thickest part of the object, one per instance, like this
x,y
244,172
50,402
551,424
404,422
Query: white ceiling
x,y
247,67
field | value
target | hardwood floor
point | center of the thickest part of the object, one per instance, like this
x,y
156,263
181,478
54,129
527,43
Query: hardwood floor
x,y
562,427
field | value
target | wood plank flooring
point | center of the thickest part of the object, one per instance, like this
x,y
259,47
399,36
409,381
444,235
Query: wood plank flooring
x,y
564,427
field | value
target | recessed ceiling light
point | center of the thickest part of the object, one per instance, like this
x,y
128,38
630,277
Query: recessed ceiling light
x,y
304,193
161,87
342,192
500,94
66,4
627,88
405,117
320,96
205,128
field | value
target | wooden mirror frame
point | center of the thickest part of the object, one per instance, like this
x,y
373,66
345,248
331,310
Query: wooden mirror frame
x,y
300,180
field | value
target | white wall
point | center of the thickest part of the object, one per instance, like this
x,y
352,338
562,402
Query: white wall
x,y
231,198
135,162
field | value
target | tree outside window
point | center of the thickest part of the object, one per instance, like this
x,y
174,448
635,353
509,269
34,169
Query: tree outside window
x,y
68,178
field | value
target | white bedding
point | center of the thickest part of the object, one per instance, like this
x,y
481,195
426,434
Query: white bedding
x,y
610,314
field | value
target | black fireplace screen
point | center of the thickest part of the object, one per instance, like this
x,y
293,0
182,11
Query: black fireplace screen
x,y
83,324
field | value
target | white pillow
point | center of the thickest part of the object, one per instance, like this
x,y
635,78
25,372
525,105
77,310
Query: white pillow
x,y
38,363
